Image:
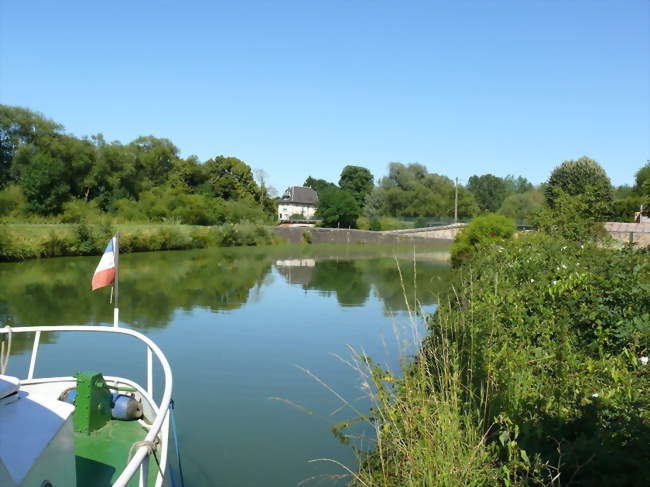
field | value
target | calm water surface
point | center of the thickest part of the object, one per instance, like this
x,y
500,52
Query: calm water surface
x,y
237,326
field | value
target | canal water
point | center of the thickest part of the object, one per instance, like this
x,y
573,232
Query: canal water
x,y
252,335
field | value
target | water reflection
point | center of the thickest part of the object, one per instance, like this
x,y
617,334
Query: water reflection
x,y
153,286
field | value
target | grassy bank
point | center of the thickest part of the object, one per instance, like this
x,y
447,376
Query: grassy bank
x,y
534,373
29,241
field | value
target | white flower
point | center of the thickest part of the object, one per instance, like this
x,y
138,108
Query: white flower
x,y
554,283
563,247
532,280
563,266
595,394
644,360
577,263
582,246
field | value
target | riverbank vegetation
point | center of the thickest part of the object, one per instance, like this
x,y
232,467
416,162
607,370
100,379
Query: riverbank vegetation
x,y
26,241
534,373
535,369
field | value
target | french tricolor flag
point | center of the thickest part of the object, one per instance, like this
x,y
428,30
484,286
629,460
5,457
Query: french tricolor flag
x,y
105,272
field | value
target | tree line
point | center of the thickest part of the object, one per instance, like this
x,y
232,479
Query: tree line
x,y
410,190
45,171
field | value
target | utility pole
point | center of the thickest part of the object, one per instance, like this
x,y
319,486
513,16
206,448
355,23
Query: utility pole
x,y
456,203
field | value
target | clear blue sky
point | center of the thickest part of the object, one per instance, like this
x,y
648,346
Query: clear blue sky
x,y
307,87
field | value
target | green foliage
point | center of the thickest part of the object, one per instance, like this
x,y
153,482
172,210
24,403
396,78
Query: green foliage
x,y
307,237
517,184
623,210
53,168
641,178
557,329
44,184
531,375
624,191
78,211
489,191
410,190
584,178
486,230
91,239
12,201
358,181
522,206
572,217
337,208
374,224
318,185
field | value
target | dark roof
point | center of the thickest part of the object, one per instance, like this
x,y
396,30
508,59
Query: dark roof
x,y
300,194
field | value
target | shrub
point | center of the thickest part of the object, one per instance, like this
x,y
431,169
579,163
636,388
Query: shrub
x,y
482,230
12,201
570,218
531,375
623,210
78,211
374,224
307,237
83,239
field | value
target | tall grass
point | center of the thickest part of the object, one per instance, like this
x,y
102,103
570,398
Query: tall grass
x,y
20,242
530,375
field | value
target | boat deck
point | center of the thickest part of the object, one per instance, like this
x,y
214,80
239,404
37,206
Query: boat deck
x,y
102,455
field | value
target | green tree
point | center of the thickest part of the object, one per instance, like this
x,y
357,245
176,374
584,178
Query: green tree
x,y
522,206
154,159
517,184
375,203
575,218
318,185
231,179
642,175
358,181
44,183
337,208
489,191
581,177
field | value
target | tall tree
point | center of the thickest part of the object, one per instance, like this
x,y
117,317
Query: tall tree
x,y
642,175
318,185
231,178
583,177
489,191
517,184
337,208
358,181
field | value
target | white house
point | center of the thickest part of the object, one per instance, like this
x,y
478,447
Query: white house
x,y
297,200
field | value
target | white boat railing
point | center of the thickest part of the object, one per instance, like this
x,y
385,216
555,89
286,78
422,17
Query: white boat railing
x,y
140,459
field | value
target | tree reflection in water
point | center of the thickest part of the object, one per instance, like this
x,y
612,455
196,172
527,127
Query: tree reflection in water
x,y
153,286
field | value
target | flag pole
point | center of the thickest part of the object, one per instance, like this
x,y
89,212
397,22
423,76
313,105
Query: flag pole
x,y
116,285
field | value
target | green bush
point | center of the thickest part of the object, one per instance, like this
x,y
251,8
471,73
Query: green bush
x,y
570,218
482,230
374,224
557,329
531,375
623,210
12,201
84,242
78,211
307,237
